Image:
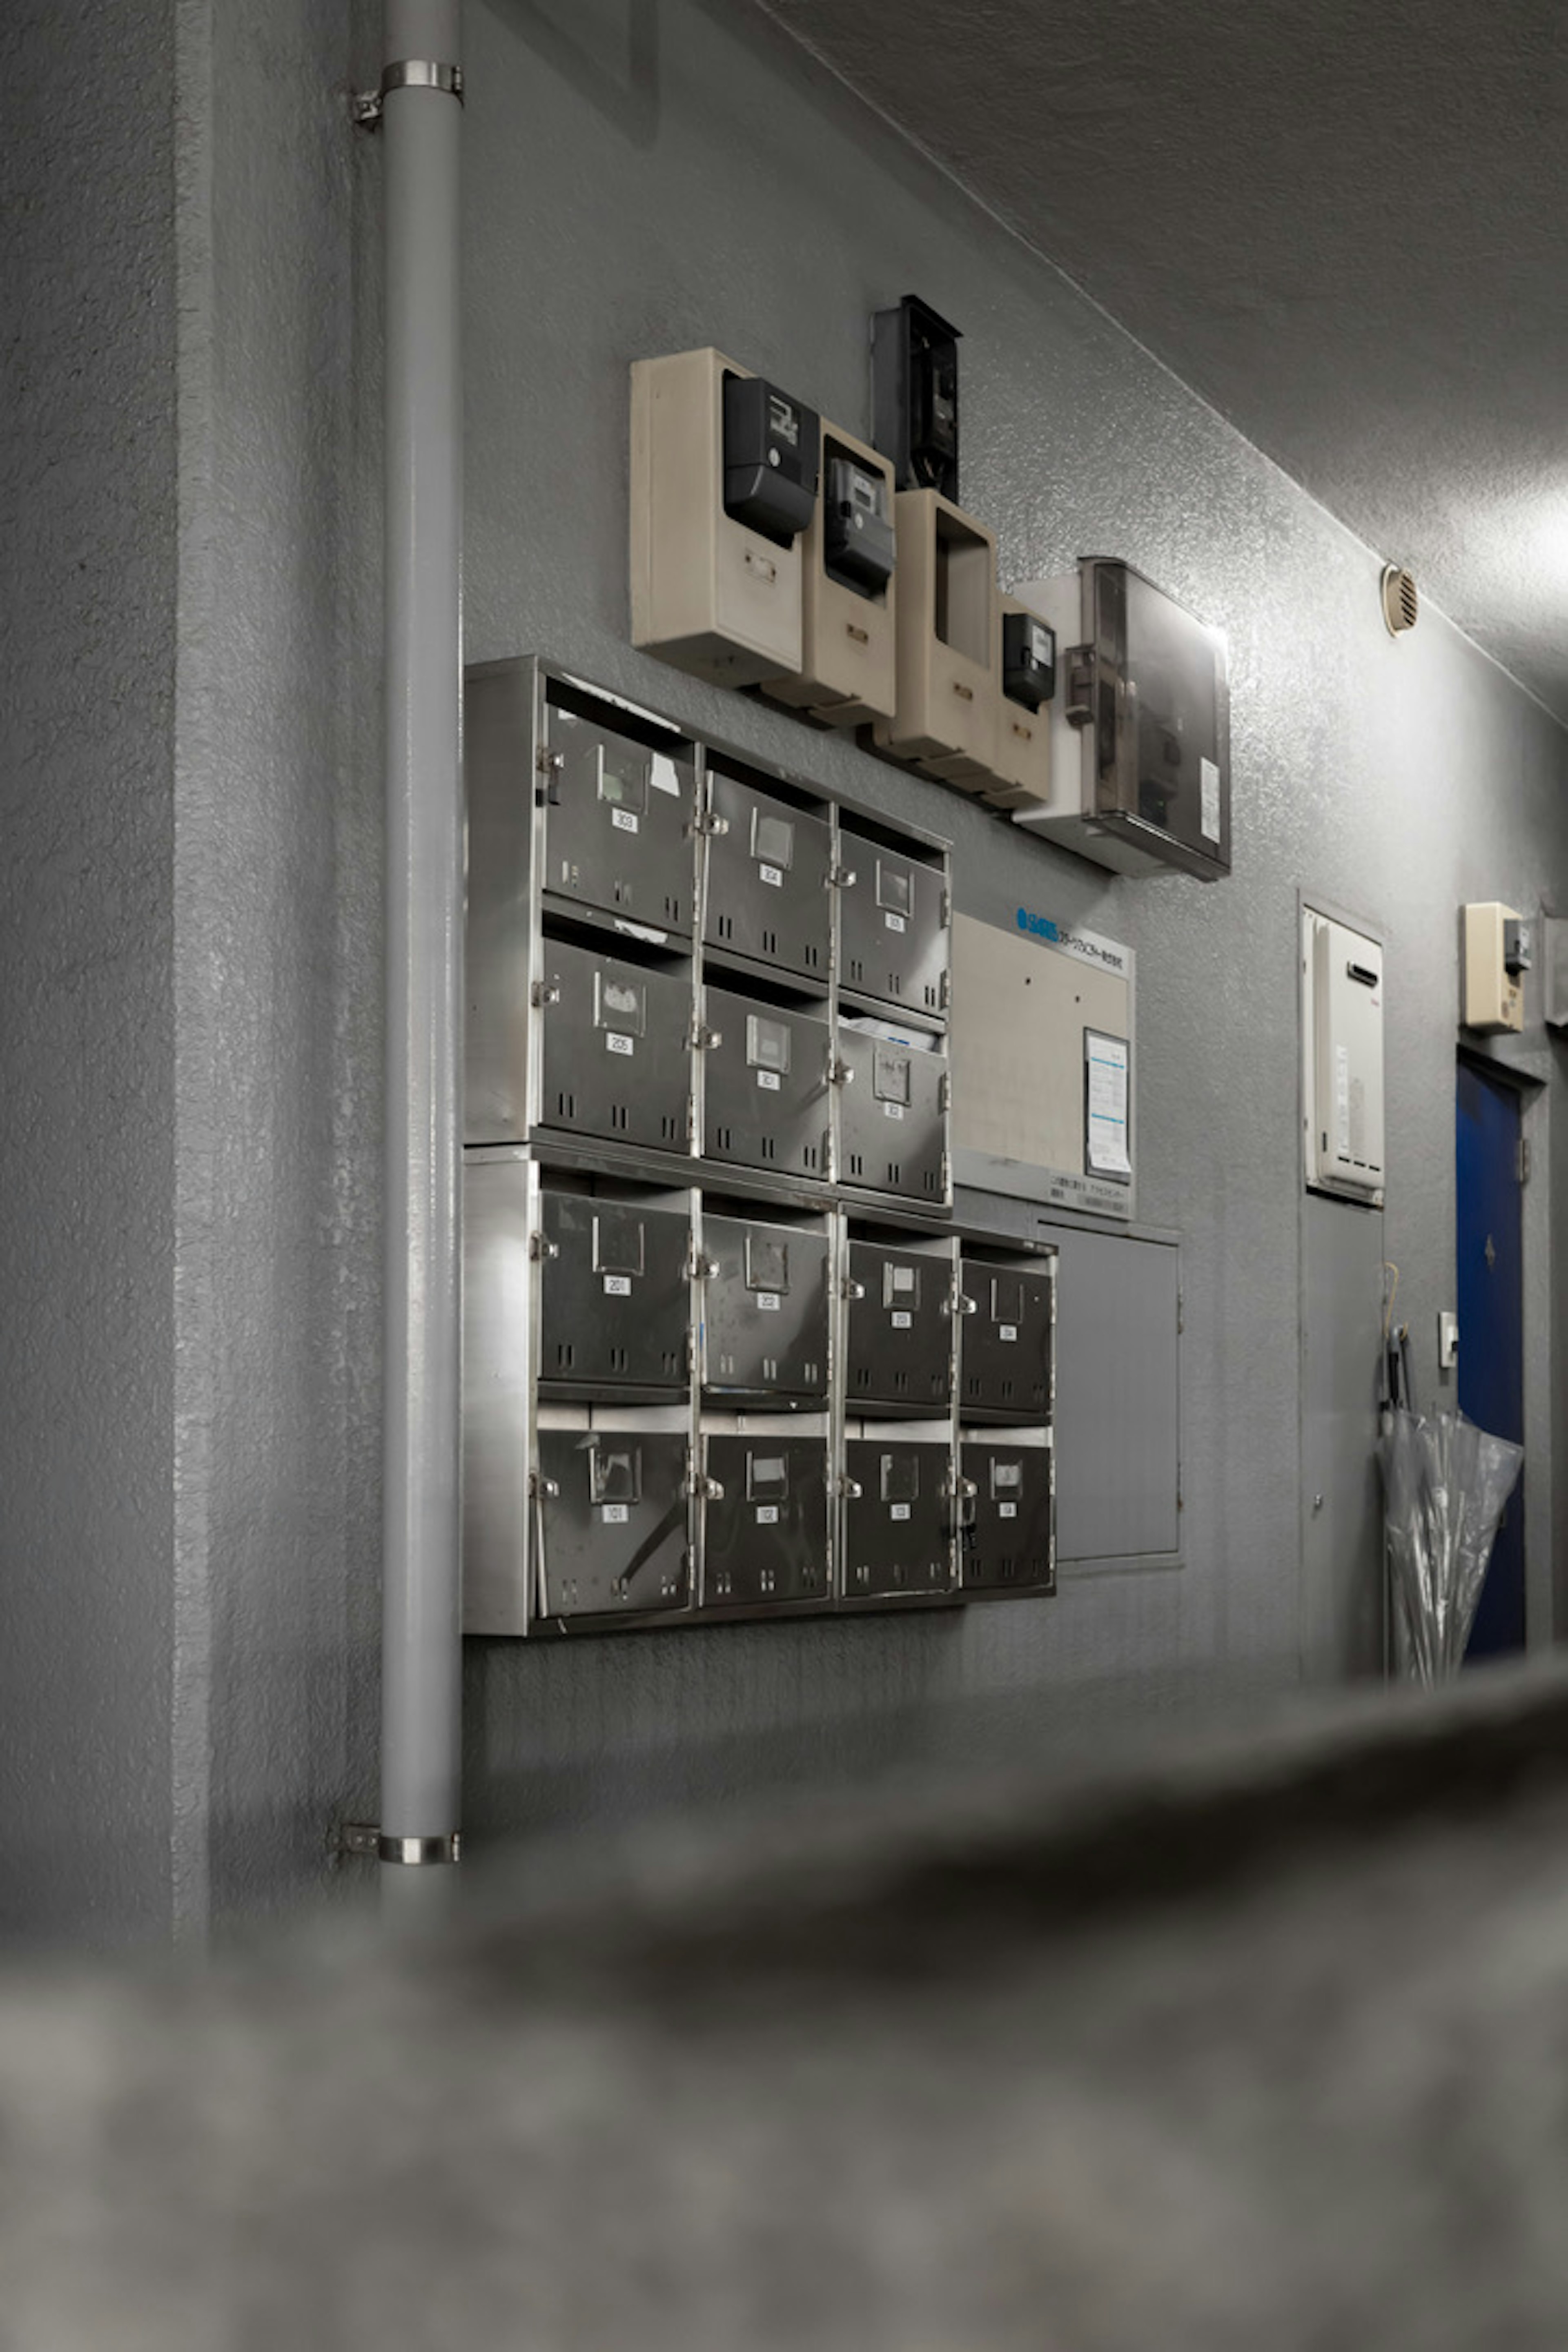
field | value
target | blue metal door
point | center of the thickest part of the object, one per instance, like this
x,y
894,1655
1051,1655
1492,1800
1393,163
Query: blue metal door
x,y
1491,1323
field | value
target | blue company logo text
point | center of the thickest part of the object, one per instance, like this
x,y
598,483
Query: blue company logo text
x,y
1040,927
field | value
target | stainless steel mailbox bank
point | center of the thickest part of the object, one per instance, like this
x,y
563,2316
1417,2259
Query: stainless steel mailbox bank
x,y
724,1355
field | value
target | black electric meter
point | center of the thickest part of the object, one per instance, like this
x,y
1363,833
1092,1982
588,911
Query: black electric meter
x,y
914,396
771,445
856,529
1029,659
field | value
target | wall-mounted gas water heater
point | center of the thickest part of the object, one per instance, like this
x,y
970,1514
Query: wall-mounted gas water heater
x,y
1341,1059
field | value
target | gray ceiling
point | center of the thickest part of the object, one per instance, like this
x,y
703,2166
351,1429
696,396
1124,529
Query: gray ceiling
x,y
1345,224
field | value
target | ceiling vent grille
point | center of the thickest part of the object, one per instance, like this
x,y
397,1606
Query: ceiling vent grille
x,y
1401,604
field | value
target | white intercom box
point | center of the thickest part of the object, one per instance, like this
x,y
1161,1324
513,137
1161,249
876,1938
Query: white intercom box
x,y
1341,1027
1498,949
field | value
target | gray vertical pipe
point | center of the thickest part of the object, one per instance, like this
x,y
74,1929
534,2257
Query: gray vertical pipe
x,y
421,1653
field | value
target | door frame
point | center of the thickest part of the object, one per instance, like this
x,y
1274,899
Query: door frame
x,y
1528,1071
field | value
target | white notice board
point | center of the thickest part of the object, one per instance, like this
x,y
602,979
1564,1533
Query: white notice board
x,y
1043,1065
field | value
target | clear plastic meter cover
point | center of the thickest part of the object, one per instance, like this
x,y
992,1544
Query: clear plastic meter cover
x,y
1161,719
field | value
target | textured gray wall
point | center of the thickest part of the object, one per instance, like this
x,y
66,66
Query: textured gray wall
x,y
87,1150
189,967
642,179
277,971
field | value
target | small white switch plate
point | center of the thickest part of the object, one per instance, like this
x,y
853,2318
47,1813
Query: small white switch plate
x,y
1448,1340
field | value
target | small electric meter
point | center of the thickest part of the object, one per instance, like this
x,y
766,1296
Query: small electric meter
x,y
1029,659
857,527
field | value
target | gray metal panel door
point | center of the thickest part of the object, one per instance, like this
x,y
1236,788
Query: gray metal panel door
x,y
901,1329
764,1314
893,1117
1004,1344
765,1537
767,879
619,830
618,1048
893,935
1005,1545
898,1519
612,1522
616,1293
1117,1421
767,1103
1341,1504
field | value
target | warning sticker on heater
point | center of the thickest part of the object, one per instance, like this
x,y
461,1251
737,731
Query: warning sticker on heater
x,y
770,1081
767,1515
1342,1100
903,1319
767,1302
624,819
615,1514
617,1286
1208,789
898,1510
895,922
616,1043
772,875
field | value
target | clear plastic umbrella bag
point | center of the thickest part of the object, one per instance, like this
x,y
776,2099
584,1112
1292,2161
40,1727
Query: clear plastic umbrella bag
x,y
1444,1483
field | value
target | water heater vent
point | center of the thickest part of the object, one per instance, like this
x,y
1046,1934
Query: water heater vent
x,y
1401,604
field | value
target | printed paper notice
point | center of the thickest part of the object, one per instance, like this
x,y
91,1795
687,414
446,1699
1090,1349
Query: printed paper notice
x,y
1208,793
1106,1149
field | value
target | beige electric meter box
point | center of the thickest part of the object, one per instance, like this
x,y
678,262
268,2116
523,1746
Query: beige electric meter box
x,y
1341,1032
1140,726
1025,683
725,479
849,674
1498,953
946,721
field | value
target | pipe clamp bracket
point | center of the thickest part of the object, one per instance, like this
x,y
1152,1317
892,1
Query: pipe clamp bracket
x,y
416,1850
407,73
